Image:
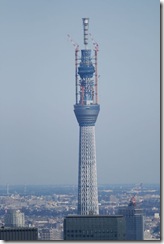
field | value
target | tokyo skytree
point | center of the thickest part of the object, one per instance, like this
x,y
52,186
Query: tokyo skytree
x,y
86,110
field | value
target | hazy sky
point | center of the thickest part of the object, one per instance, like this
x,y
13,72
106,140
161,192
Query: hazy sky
x,y
39,134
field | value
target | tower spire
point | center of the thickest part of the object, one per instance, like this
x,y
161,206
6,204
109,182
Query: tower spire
x,y
85,27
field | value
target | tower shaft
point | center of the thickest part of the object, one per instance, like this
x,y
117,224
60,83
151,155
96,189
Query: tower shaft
x,y
87,185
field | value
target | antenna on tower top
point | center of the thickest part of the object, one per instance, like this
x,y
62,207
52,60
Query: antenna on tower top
x,y
85,26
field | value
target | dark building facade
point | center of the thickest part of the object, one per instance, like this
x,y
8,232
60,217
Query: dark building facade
x,y
19,234
134,221
94,227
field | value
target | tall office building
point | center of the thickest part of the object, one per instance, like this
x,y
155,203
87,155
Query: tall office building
x,y
94,227
18,234
14,218
134,221
86,110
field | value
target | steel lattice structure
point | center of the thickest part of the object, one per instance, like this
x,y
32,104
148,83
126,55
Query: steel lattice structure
x,y
86,110
87,185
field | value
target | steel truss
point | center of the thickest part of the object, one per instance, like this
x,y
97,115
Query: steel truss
x,y
87,185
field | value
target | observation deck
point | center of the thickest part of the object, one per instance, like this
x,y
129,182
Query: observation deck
x,y
86,114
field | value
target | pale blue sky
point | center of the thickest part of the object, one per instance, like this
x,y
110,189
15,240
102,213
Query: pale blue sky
x,y
38,130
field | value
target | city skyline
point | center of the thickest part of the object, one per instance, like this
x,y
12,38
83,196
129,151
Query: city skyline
x,y
39,133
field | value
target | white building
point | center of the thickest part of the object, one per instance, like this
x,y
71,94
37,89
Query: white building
x,y
14,218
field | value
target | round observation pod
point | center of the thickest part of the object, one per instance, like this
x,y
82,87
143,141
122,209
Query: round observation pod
x,y
86,115
86,68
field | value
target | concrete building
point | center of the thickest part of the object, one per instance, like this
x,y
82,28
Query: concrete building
x,y
94,227
14,218
45,234
51,234
134,221
18,234
57,234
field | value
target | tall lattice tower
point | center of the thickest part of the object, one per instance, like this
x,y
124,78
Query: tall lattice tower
x,y
86,110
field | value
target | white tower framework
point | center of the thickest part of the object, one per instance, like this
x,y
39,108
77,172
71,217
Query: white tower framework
x,y
86,110
87,187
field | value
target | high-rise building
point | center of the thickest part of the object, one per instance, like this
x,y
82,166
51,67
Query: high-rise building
x,y
134,221
86,110
19,234
94,227
14,218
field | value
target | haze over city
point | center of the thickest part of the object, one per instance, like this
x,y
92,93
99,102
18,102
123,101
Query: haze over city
x,y
39,132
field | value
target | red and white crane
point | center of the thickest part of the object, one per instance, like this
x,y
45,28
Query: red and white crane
x,y
76,46
96,49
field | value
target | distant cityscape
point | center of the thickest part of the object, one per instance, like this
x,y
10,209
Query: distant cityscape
x,y
45,207
86,211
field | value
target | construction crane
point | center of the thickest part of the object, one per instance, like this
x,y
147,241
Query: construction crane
x,y
76,46
96,49
132,201
95,44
